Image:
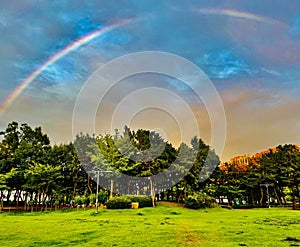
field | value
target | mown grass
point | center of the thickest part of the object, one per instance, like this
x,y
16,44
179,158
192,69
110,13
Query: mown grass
x,y
164,225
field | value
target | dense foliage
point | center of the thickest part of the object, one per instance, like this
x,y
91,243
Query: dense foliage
x,y
199,200
279,169
120,202
34,173
33,170
144,201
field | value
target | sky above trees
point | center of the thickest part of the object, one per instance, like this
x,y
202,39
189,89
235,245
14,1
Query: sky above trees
x,y
249,50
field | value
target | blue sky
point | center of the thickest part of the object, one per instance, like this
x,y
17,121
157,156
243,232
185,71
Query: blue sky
x,y
249,49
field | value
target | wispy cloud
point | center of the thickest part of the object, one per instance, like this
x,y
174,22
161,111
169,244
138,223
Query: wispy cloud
x,y
222,64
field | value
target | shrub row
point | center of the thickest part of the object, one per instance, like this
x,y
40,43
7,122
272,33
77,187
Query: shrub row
x,y
91,199
144,201
199,200
122,202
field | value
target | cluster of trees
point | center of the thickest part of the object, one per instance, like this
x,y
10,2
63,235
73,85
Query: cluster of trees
x,y
142,162
135,162
278,170
33,170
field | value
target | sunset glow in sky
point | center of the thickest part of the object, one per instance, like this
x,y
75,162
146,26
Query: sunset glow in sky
x,y
249,49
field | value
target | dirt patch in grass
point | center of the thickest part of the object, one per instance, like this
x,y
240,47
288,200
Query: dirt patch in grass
x,y
185,235
170,204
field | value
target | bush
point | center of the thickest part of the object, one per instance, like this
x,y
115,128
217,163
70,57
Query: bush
x,y
92,198
118,202
83,200
125,202
144,201
32,203
77,200
102,196
47,203
199,200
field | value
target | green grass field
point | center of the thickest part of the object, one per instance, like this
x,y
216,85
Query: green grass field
x,y
164,225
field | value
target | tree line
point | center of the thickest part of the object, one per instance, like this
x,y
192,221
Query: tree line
x,y
278,169
135,162
33,170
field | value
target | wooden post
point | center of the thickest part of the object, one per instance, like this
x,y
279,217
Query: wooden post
x,y
111,188
152,192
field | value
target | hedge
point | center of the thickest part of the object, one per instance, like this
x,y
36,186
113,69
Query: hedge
x,y
199,200
144,201
118,202
122,202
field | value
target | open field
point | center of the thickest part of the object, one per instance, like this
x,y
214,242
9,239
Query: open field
x,y
164,225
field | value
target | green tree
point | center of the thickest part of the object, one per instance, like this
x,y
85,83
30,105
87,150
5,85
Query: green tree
x,y
20,147
42,179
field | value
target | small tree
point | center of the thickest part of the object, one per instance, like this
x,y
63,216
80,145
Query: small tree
x,y
92,198
102,196
42,178
77,200
31,203
56,204
83,201
47,203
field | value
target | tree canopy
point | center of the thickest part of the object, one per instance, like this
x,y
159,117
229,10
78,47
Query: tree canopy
x,y
136,162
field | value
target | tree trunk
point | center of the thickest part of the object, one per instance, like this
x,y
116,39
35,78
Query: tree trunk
x,y
89,186
162,195
39,198
152,192
168,194
25,201
261,196
31,196
8,196
278,198
44,195
43,200
281,195
74,192
111,188
15,198
185,191
294,202
1,200
284,200
252,197
18,197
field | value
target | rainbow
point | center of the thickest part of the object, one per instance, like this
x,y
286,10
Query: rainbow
x,y
63,52
237,14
